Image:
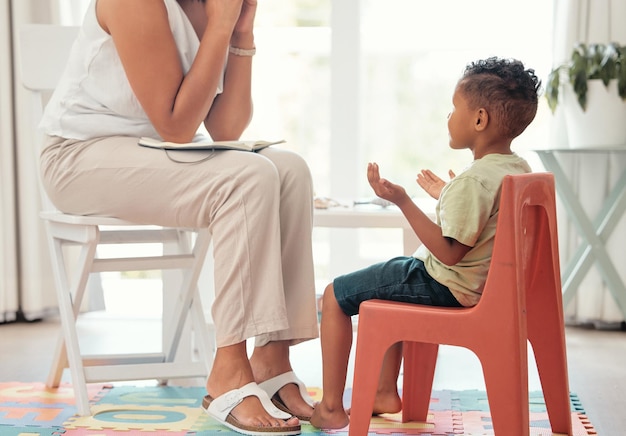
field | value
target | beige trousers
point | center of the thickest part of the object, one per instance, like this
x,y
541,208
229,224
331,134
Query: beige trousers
x,y
258,207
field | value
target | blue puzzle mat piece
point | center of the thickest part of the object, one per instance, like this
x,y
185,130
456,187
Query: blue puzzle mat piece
x,y
168,396
30,431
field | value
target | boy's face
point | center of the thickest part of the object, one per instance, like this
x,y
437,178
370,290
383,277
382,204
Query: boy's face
x,y
460,122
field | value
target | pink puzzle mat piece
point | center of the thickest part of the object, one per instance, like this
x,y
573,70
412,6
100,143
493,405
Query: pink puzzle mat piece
x,y
38,393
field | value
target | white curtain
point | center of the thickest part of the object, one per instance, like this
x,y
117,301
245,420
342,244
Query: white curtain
x,y
591,176
8,228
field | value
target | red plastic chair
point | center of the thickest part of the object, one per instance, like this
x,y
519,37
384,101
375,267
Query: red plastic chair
x,y
521,302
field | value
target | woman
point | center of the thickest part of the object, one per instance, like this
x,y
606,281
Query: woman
x,y
161,68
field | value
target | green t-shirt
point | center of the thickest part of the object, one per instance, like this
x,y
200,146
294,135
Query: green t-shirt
x,y
467,211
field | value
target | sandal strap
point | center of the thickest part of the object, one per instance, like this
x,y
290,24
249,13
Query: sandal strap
x,y
224,404
273,385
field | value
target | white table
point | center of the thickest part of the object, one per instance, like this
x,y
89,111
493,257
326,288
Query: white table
x,y
594,232
374,217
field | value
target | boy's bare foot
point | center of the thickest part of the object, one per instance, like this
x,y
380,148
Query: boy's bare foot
x,y
387,402
325,418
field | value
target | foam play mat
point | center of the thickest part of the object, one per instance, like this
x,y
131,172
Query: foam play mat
x,y
29,409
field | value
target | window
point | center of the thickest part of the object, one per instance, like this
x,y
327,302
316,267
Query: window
x,y
352,81
346,82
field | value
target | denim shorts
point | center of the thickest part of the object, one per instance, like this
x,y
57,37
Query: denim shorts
x,y
401,279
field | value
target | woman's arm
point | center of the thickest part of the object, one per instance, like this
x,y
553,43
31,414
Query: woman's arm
x,y
175,103
232,109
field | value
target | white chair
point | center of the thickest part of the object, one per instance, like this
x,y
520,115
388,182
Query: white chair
x,y
43,51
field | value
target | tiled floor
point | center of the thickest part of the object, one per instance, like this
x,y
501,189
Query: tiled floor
x,y
597,361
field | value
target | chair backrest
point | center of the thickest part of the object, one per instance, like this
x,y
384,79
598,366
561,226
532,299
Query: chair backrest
x,y
43,53
526,235
44,49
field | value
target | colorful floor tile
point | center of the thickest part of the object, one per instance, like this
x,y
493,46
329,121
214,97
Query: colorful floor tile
x,y
30,409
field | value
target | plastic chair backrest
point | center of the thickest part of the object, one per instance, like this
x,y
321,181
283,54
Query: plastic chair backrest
x,y
526,236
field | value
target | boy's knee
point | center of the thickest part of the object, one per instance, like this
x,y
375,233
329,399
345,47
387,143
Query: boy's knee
x,y
329,296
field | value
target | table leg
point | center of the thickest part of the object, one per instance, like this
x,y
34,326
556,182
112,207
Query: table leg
x,y
594,234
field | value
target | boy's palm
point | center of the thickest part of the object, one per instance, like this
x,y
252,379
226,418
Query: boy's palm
x,y
383,187
431,183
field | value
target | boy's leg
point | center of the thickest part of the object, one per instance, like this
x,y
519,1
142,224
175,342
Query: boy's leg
x,y
336,338
387,398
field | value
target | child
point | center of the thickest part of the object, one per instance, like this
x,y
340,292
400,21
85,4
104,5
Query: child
x,y
494,101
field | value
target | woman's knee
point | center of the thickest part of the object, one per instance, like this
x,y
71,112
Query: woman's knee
x,y
259,175
291,167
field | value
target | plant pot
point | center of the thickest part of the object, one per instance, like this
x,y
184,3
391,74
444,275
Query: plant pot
x,y
603,124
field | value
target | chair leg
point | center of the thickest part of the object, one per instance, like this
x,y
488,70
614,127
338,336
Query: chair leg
x,y
59,363
506,380
202,336
184,302
68,312
420,360
552,371
368,364
548,340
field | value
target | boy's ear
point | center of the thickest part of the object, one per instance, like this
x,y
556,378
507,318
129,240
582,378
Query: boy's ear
x,y
481,119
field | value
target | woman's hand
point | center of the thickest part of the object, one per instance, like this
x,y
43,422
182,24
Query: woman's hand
x,y
223,14
245,23
238,15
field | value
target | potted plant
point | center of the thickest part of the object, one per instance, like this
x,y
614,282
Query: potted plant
x,y
592,88
588,62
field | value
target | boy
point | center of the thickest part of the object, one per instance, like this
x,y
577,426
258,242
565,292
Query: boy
x,y
494,101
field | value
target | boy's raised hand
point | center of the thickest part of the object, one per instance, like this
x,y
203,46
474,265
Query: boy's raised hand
x,y
431,183
383,187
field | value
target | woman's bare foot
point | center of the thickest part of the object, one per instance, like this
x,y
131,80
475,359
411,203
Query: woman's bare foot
x,y
325,418
231,370
292,399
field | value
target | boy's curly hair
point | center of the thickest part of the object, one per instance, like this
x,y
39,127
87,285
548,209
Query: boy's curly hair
x,y
508,91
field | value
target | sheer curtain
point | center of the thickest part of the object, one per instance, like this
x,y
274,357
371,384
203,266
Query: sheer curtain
x,y
593,176
8,229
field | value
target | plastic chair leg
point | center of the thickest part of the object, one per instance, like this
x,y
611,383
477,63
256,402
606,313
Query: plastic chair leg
x,y
550,355
506,381
419,370
547,337
368,364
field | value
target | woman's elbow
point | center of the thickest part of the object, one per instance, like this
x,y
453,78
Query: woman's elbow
x,y
226,131
227,126
176,131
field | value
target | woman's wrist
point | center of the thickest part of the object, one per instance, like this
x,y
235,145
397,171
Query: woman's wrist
x,y
242,51
244,41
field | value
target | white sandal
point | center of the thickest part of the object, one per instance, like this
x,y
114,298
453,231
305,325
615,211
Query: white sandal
x,y
273,385
220,408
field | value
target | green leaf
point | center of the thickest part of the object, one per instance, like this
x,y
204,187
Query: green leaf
x,y
552,89
620,68
578,80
